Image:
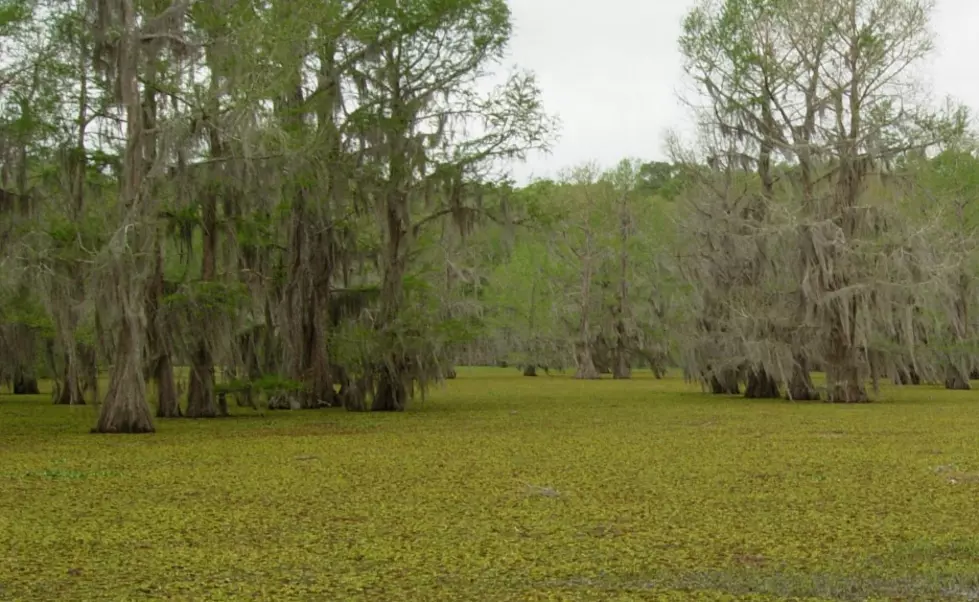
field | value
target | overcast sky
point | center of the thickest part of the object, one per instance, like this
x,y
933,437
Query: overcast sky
x,y
611,71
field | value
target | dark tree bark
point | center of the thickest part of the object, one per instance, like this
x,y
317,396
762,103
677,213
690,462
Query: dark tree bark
x,y
956,379
168,403
200,393
25,384
800,385
161,364
314,363
725,382
353,392
248,346
761,385
81,373
70,391
621,369
530,370
956,371
391,392
845,384
908,376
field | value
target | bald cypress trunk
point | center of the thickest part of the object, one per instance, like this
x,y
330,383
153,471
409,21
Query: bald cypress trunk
x,y
70,391
761,385
956,378
800,385
725,382
25,383
125,409
200,393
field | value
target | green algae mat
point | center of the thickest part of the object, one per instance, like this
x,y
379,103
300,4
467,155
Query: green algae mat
x,y
500,487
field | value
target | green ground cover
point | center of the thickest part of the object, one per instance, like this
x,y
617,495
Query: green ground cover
x,y
500,487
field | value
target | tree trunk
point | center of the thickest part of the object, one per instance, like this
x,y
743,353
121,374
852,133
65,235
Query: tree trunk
x,y
956,378
845,384
530,370
391,393
725,382
800,385
70,391
200,394
314,363
907,376
586,366
956,371
125,409
25,384
621,370
353,392
161,364
620,361
761,385
249,356
168,404
451,374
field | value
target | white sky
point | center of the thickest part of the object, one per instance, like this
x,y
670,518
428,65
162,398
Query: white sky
x,y
611,71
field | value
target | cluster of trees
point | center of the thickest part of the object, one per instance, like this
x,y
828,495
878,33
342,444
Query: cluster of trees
x,y
302,203
272,188
828,222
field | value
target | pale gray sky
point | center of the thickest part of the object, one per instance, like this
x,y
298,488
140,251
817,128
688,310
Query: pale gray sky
x,y
611,71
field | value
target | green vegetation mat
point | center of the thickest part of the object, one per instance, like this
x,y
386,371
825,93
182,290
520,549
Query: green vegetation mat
x,y
500,487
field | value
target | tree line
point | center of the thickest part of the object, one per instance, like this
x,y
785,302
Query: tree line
x,y
306,206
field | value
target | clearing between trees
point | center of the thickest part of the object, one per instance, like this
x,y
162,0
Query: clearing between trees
x,y
500,487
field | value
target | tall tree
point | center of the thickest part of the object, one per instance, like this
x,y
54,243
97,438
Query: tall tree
x,y
421,93
816,82
119,34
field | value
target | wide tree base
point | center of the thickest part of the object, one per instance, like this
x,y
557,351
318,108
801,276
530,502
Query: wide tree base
x,y
800,385
802,394
907,376
761,385
956,381
26,386
848,394
63,397
125,411
391,392
725,383
622,372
